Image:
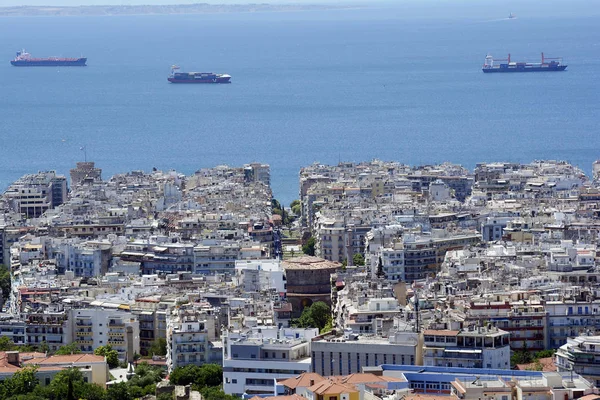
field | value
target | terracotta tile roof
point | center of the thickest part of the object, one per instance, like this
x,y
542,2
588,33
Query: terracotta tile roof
x,y
364,378
329,387
302,380
435,332
590,397
67,359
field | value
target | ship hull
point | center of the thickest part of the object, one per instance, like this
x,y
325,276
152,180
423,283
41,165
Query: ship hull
x,y
526,69
214,80
80,62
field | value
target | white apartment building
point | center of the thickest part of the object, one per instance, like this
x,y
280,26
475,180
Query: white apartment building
x,y
581,355
253,361
367,315
192,338
569,318
392,261
106,324
479,347
215,257
259,275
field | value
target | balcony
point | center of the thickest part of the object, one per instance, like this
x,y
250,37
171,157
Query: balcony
x,y
84,341
116,334
113,323
118,342
84,333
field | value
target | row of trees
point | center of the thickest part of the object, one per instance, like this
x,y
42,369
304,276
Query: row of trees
x,y
159,348
69,384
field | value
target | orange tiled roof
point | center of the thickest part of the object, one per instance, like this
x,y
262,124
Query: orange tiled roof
x,y
328,387
302,380
67,359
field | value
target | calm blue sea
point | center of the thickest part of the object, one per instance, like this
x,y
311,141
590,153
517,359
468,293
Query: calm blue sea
x,y
397,81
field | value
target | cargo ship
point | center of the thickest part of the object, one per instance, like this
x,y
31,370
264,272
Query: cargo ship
x,y
506,65
24,59
196,77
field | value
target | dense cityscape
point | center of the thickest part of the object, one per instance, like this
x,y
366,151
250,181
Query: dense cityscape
x,y
382,281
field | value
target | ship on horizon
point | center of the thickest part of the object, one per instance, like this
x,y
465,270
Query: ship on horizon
x,y
196,77
24,59
506,65
512,16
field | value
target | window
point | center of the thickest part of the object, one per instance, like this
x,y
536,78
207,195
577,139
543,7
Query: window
x,y
234,381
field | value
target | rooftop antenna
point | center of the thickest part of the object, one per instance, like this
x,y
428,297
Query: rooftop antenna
x,y
82,148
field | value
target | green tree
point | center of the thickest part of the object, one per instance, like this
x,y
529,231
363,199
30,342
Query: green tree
x,y
187,375
112,356
67,384
165,396
184,375
43,347
211,375
6,344
5,281
144,381
118,391
215,393
358,259
296,207
67,349
318,315
159,347
309,247
207,375
22,382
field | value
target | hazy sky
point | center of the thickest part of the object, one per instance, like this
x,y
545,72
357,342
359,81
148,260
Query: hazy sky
x,y
137,2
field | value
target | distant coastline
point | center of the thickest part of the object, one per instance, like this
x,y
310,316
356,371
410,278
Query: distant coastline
x,y
199,8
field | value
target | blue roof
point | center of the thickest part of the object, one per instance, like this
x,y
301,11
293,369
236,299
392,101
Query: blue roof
x,y
449,374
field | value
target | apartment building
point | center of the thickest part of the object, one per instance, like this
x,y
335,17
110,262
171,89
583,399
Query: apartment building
x,y
351,353
192,336
580,355
475,347
105,324
252,361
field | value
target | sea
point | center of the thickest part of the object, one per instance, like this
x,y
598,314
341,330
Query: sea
x,y
395,81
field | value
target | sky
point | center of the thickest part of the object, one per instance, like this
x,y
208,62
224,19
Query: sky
x,y
160,2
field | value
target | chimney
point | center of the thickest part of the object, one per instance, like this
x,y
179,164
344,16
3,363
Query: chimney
x,y
12,357
129,337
